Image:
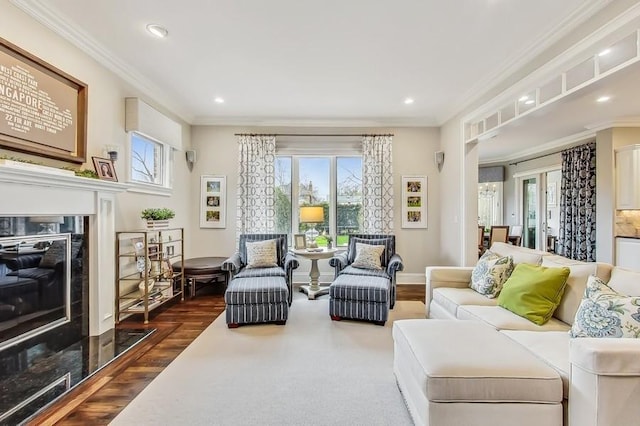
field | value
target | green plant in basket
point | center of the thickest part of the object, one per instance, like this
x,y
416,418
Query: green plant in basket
x,y
157,214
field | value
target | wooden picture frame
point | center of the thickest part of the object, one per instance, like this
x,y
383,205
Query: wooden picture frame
x,y
104,169
414,201
213,202
299,241
52,105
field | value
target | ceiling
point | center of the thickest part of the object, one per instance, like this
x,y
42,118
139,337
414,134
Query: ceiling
x,y
329,63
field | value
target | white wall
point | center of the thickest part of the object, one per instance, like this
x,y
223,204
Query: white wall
x,y
105,114
413,154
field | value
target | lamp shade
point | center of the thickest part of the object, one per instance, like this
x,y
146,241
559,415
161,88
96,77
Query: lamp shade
x,y
312,214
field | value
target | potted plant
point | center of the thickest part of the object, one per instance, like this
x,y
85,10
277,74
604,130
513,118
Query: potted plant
x,y
157,217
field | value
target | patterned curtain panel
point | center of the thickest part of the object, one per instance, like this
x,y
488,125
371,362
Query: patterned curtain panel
x,y
577,236
377,184
256,169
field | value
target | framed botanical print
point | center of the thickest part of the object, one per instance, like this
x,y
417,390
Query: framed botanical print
x,y
414,201
213,191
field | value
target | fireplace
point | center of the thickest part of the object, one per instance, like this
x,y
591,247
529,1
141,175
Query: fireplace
x,y
57,259
45,196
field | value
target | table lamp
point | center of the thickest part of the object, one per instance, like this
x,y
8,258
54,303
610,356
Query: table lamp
x,y
312,215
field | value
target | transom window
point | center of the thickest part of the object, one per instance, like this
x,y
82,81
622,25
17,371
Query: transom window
x,y
333,182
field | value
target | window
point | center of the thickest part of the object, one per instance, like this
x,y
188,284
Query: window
x,y
150,162
333,182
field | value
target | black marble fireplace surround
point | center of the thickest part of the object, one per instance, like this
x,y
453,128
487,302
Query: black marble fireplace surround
x,y
51,307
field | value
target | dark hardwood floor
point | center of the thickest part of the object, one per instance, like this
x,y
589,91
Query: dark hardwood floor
x,y
104,395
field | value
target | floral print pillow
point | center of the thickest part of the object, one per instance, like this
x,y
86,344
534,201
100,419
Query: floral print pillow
x,y
490,273
605,313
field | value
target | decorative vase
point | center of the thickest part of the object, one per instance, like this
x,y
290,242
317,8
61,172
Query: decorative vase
x,y
329,245
141,286
157,224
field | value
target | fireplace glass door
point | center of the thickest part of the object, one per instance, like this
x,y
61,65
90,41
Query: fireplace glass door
x,y
37,263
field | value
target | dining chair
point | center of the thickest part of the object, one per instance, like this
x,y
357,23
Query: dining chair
x,y
515,235
481,247
498,233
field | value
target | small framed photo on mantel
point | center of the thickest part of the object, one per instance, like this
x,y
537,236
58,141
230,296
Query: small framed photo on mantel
x,y
104,169
213,190
414,201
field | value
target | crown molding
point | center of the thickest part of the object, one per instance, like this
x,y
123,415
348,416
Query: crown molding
x,y
518,61
59,24
620,122
307,122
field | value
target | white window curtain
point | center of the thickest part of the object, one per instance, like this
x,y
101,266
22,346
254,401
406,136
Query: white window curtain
x,y
256,168
377,184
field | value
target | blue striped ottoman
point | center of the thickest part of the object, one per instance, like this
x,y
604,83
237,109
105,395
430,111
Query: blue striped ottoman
x,y
359,297
256,300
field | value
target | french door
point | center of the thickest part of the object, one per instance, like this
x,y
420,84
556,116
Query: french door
x,y
538,207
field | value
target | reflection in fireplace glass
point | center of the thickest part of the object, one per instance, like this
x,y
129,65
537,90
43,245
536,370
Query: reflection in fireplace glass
x,y
40,256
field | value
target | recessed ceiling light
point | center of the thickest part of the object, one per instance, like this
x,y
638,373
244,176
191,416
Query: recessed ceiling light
x,y
408,101
218,100
604,52
603,98
157,30
523,98
529,102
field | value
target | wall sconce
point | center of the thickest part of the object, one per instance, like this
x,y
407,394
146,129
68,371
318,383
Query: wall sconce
x,y
112,152
191,158
439,159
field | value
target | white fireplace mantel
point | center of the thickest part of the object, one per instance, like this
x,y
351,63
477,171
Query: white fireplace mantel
x,y
27,190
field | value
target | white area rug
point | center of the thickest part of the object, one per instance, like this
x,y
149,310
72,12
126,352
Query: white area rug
x,y
312,371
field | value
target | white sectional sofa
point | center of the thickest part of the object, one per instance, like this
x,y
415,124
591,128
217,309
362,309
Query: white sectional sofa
x,y
600,376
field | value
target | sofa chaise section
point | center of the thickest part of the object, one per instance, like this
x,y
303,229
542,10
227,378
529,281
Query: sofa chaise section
x,y
600,376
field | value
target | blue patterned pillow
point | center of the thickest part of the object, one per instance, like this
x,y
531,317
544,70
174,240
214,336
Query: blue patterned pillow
x,y
490,273
605,313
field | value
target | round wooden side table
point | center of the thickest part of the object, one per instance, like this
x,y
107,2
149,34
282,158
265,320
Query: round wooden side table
x,y
208,269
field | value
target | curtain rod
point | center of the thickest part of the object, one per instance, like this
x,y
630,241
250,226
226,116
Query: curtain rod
x,y
551,153
535,158
311,134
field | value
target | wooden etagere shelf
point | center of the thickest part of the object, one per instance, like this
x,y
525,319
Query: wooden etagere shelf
x,y
144,276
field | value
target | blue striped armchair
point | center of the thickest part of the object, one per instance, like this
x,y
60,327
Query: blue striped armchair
x,y
364,293
259,294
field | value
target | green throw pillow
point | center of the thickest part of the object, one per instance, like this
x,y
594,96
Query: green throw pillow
x,y
534,292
